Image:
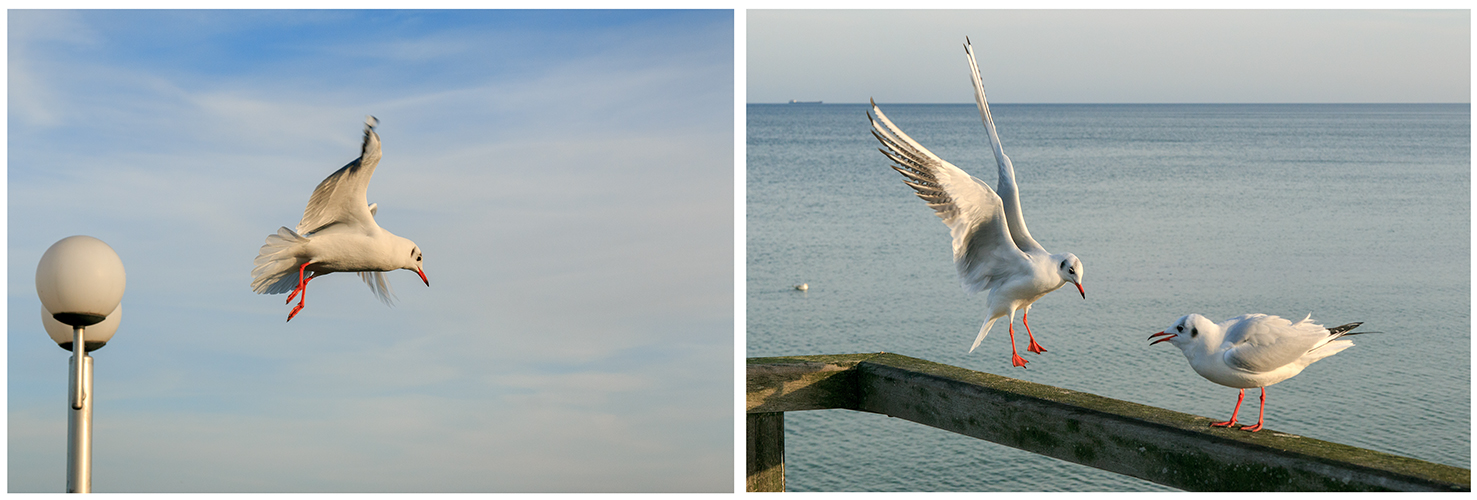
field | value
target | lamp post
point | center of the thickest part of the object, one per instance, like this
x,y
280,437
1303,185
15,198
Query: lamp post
x,y
80,281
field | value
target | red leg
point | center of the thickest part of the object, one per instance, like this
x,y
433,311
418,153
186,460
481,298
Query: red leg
x,y
299,288
1259,414
1015,359
1232,421
1034,347
302,286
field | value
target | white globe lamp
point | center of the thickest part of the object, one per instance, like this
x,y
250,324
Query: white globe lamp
x,y
80,280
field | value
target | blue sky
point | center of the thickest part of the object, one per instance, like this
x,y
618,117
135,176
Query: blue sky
x,y
1110,56
568,176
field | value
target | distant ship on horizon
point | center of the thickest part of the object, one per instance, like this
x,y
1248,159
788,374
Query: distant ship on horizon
x,y
792,101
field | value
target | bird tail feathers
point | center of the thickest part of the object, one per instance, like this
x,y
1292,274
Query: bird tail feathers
x,y
983,330
275,263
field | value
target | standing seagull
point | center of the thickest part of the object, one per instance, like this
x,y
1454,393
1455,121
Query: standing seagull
x,y
337,234
992,248
1253,350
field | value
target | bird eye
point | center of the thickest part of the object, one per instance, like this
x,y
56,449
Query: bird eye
x,y
417,258
1071,271
1180,328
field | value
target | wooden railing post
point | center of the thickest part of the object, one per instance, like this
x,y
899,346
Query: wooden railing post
x,y
766,451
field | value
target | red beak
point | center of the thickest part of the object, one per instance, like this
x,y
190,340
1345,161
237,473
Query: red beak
x,y
1166,335
423,276
1080,290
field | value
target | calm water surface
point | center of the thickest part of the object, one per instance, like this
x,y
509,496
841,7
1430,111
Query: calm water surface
x,y
1348,212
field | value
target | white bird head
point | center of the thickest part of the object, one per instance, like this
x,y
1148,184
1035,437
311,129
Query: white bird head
x,y
1190,330
409,257
1070,268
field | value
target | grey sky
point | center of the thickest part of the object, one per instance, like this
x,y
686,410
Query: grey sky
x,y
568,176
1110,56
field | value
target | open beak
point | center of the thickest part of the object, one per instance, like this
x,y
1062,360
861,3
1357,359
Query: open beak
x,y
1080,290
1166,335
423,276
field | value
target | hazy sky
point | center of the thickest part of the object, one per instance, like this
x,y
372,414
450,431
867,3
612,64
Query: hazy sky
x,y
568,176
1110,56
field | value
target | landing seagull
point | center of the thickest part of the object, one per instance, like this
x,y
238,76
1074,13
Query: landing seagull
x,y
992,248
337,234
1253,350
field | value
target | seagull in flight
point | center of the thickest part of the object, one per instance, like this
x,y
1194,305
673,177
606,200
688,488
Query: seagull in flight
x,y
1253,350
337,234
992,248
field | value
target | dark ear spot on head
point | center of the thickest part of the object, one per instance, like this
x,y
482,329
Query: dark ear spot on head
x,y
1063,264
1194,332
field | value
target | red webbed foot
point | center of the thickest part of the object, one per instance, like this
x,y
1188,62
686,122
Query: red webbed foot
x,y
1017,360
1036,348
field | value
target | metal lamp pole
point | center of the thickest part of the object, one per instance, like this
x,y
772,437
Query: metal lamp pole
x,y
82,279
79,420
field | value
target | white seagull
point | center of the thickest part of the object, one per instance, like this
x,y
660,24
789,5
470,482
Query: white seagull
x,y
337,234
992,248
1253,350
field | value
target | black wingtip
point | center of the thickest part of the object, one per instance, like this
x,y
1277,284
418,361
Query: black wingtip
x,y
1345,329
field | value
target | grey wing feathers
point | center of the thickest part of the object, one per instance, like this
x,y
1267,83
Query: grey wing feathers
x,y
380,286
982,248
341,197
1006,188
1257,346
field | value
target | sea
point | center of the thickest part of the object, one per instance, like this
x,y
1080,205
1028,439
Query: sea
x,y
1347,212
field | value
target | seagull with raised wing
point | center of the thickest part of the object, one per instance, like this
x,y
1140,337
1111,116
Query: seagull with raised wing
x,y
992,248
337,234
1253,350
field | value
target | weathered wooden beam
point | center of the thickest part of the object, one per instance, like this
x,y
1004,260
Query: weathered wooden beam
x,y
1166,447
766,451
793,383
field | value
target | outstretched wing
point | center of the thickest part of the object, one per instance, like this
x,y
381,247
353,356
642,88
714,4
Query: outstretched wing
x,y
341,199
1009,194
379,285
1261,343
982,247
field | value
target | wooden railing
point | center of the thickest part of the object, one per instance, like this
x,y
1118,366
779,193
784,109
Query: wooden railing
x,y
1170,448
